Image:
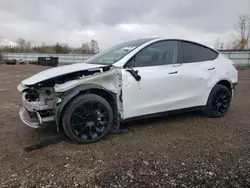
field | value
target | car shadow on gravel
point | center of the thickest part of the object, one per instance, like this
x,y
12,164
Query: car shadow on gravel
x,y
48,134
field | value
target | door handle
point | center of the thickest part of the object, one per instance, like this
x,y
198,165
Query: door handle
x,y
211,68
175,72
177,65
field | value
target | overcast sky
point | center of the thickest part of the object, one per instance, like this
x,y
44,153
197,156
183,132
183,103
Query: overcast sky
x,y
114,21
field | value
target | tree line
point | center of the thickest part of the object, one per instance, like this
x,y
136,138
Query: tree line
x,y
24,46
239,38
239,41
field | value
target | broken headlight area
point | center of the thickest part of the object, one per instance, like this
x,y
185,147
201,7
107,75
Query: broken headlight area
x,y
38,106
41,99
32,95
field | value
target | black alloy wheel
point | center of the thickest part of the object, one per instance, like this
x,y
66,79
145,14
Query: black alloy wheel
x,y
221,103
88,118
218,102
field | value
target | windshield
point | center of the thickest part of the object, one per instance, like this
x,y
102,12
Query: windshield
x,y
115,53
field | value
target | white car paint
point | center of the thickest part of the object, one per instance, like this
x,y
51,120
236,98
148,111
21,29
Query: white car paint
x,y
159,89
106,79
58,71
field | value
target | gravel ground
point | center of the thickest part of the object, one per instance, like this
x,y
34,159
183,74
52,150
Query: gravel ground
x,y
187,150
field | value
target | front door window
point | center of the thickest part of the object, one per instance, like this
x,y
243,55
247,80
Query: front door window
x,y
156,54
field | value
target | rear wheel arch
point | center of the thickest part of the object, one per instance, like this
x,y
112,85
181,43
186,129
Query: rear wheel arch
x,y
223,82
226,83
222,85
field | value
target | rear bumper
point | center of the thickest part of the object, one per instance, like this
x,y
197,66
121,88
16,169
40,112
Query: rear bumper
x,y
234,88
234,85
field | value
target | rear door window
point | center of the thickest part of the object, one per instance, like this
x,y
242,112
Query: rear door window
x,y
192,52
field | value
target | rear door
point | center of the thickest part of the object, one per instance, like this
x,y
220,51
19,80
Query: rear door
x,y
199,67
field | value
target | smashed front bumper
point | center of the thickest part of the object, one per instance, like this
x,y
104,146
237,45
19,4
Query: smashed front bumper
x,y
28,119
31,115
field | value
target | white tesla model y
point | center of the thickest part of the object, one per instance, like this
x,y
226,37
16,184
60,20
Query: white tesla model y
x,y
135,79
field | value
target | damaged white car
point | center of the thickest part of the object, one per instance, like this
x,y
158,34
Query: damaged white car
x,y
135,79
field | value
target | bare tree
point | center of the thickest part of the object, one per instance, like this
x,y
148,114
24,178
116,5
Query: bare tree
x,y
21,43
229,43
94,46
1,40
217,43
27,46
221,46
242,32
85,48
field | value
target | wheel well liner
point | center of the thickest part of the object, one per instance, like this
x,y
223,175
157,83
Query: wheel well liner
x,y
227,84
86,88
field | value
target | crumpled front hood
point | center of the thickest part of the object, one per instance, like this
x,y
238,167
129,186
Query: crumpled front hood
x,y
59,71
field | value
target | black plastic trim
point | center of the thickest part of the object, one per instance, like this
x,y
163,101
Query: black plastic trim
x,y
165,113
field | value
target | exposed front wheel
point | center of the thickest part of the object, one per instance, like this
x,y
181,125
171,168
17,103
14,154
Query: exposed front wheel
x,y
218,102
88,118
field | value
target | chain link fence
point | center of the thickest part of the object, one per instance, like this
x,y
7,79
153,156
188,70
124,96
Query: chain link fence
x,y
241,58
63,58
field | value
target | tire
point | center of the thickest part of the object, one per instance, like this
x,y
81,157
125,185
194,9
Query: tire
x,y
87,118
218,102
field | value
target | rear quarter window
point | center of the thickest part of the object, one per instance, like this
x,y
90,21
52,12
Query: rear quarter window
x,y
196,53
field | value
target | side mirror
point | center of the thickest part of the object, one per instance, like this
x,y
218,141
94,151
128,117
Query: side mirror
x,y
133,72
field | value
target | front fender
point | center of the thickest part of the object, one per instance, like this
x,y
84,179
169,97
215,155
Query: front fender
x,y
67,96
